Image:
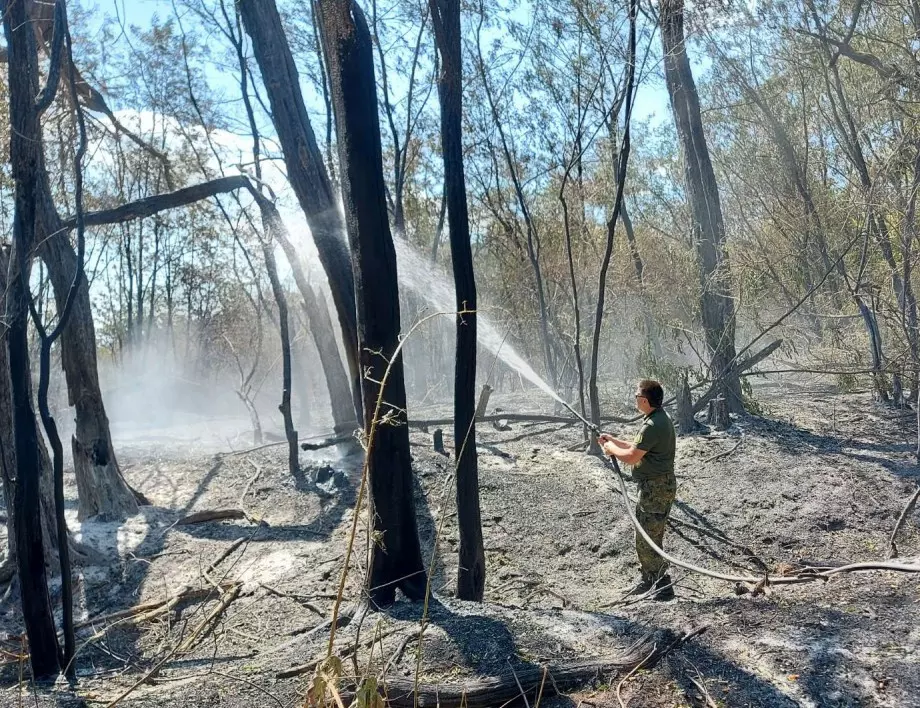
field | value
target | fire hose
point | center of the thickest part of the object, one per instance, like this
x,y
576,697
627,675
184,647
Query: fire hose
x,y
805,575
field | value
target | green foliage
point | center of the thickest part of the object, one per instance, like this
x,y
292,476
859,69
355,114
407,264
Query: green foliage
x,y
670,375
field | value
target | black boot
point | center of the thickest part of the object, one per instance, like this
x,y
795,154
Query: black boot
x,y
664,589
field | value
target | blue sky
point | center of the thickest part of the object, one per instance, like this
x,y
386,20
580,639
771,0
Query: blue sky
x,y
651,101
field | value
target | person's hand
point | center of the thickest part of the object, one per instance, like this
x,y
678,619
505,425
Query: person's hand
x,y
604,438
608,447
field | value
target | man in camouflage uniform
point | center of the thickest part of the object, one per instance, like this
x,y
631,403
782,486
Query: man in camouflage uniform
x,y
651,455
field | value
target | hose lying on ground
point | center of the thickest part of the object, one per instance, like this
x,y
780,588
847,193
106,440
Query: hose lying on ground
x,y
803,576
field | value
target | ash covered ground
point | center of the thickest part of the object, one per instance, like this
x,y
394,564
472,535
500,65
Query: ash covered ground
x,y
818,483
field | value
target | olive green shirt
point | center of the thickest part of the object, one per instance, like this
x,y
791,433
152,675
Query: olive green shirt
x,y
658,439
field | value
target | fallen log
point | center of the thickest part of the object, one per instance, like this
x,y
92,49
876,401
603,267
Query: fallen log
x,y
328,442
202,517
521,682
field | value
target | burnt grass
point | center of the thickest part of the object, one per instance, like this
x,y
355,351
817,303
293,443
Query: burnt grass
x,y
819,479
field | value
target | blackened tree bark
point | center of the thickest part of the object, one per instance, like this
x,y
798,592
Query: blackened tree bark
x,y
471,575
8,458
47,340
271,221
27,164
320,323
321,329
620,165
101,488
717,308
305,168
396,558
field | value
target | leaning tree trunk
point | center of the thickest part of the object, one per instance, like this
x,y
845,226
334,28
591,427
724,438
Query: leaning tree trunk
x,y
471,575
305,168
396,559
27,164
621,163
716,304
102,489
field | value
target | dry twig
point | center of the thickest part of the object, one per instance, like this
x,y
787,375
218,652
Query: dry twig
x,y
911,503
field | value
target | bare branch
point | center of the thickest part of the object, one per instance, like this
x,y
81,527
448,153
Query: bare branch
x,y
148,206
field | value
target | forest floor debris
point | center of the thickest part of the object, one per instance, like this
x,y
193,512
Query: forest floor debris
x,y
209,614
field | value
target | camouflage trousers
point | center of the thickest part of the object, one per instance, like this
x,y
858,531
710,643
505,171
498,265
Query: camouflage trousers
x,y
655,499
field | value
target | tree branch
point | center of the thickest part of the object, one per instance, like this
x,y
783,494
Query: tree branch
x,y
886,71
148,206
44,99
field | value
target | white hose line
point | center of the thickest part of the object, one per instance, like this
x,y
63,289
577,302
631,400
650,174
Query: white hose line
x,y
770,580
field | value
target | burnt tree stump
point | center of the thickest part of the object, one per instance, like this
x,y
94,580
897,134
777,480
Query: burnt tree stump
x,y
686,421
718,414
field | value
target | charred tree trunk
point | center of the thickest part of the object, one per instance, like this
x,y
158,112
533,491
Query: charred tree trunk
x,y
622,160
716,304
270,220
27,165
685,419
305,168
102,491
321,329
397,561
47,340
101,488
471,575
8,459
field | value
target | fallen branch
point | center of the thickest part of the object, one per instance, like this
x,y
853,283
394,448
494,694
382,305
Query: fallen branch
x,y
400,650
299,599
911,503
738,368
227,598
703,692
223,556
329,442
725,453
519,418
142,613
344,654
143,610
208,623
509,685
630,675
202,517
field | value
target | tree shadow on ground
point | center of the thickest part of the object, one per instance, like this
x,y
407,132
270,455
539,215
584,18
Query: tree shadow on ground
x,y
486,646
825,656
840,443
